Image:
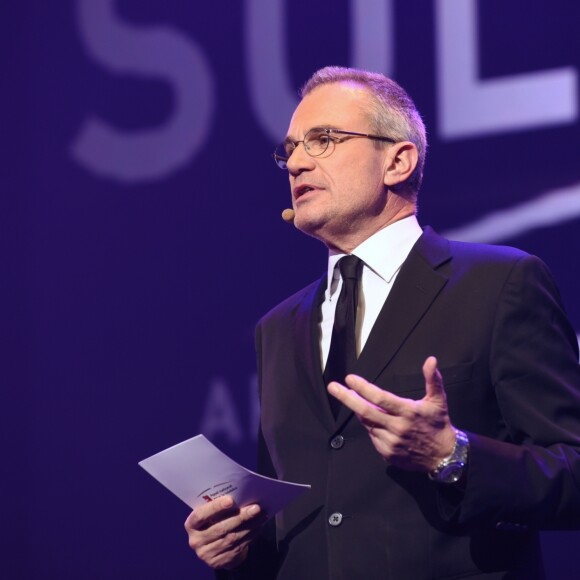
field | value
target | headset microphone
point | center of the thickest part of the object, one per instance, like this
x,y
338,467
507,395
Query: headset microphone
x,y
288,215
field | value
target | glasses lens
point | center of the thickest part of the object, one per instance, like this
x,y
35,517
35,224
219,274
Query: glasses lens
x,y
281,156
316,141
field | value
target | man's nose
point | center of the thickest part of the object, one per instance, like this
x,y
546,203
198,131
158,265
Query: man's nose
x,y
300,161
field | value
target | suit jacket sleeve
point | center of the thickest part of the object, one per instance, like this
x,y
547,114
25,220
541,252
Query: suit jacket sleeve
x,y
532,477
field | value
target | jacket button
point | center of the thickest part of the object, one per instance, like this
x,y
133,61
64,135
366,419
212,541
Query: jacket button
x,y
335,519
337,442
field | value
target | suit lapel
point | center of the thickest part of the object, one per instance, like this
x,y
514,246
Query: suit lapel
x,y
308,363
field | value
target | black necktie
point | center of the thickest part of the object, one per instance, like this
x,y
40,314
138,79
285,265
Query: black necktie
x,y
342,355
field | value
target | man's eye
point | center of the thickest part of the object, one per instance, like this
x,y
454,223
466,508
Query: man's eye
x,y
321,139
289,148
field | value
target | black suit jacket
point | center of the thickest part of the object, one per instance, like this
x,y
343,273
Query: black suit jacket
x,y
509,360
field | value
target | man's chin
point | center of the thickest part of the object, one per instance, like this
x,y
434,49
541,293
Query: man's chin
x,y
307,223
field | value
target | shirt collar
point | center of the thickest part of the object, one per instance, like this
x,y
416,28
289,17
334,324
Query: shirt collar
x,y
384,252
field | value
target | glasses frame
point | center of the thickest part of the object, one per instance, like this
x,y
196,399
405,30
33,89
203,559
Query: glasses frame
x,y
282,160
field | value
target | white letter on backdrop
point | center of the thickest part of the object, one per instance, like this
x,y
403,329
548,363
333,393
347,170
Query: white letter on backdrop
x,y
469,106
160,52
220,416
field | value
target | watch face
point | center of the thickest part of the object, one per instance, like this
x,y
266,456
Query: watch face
x,y
451,473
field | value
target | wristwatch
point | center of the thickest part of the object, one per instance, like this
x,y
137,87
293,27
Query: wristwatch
x,y
452,467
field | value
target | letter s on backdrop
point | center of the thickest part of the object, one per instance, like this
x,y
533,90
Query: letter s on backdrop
x,y
145,154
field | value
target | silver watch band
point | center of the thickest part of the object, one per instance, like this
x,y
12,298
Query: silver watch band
x,y
451,469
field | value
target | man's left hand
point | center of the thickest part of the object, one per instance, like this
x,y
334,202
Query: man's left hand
x,y
413,435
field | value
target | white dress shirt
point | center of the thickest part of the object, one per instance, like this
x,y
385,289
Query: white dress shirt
x,y
383,255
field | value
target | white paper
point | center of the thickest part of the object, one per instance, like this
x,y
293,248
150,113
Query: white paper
x,y
196,471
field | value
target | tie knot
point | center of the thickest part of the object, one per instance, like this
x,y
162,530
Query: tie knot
x,y
350,267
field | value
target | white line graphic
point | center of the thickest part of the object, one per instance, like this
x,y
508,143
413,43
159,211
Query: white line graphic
x,y
551,208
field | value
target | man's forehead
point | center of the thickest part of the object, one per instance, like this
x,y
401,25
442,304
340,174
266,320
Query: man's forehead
x,y
332,105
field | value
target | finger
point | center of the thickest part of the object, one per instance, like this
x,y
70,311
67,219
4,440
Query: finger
x,y
224,552
222,534
348,397
211,512
228,560
383,400
368,413
433,380
202,516
230,551
234,527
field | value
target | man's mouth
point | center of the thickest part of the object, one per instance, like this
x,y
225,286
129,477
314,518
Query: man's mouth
x,y
301,190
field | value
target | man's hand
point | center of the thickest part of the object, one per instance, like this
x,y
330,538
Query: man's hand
x,y
413,435
220,533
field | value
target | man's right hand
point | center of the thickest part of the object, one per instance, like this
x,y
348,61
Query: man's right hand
x,y
220,532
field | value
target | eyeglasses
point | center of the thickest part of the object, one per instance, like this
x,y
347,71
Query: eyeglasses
x,y
317,142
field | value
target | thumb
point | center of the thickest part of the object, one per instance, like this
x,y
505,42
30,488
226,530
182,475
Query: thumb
x,y
433,380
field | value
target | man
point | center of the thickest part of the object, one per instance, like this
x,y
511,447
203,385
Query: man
x,y
410,478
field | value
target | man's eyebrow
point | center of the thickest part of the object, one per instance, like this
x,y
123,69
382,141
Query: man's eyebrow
x,y
289,139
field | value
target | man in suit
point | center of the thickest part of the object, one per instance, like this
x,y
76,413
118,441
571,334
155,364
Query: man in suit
x,y
429,467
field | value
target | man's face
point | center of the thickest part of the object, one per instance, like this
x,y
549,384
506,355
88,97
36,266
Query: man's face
x,y
339,198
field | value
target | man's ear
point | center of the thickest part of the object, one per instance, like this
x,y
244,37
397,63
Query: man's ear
x,y
401,161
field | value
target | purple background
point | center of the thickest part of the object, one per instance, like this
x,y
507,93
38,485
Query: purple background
x,y
127,311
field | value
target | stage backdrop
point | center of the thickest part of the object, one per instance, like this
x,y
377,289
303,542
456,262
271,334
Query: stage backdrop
x,y
142,239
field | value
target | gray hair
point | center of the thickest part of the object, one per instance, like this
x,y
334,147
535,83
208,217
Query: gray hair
x,y
393,112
